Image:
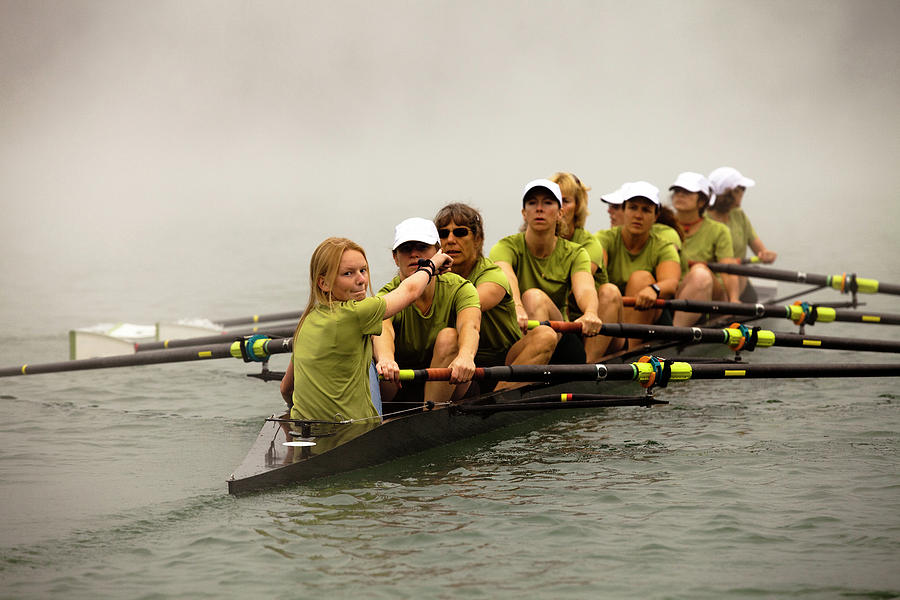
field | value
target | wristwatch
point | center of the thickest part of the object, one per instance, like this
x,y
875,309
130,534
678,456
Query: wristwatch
x,y
655,288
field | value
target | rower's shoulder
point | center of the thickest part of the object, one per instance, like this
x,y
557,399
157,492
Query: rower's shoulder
x,y
451,279
607,235
714,225
390,286
482,267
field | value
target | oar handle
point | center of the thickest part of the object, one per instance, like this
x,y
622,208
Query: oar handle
x,y
658,303
560,326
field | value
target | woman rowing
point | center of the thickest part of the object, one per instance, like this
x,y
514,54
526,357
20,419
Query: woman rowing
x,y
440,329
542,269
728,187
666,225
705,241
641,263
501,341
328,376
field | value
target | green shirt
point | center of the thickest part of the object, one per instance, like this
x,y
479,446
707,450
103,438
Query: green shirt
x,y
710,242
552,274
595,251
667,234
332,353
623,263
499,325
670,235
742,232
414,332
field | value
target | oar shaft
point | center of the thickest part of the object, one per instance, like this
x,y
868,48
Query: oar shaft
x,y
680,371
795,340
546,373
272,331
788,311
729,336
282,316
843,282
261,347
791,371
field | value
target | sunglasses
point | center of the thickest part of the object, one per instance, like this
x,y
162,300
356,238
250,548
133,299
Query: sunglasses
x,y
459,232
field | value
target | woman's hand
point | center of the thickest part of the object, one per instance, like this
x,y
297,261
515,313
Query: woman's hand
x,y
590,324
522,317
461,370
389,370
441,262
645,299
767,256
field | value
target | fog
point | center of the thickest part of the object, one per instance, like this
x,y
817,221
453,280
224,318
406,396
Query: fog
x,y
155,135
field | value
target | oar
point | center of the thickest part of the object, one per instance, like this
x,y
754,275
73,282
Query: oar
x,y
804,313
283,316
737,338
660,372
269,330
842,283
256,348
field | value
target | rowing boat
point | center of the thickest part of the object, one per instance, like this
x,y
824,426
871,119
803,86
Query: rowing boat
x,y
288,451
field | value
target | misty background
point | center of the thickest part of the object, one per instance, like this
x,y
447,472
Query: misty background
x,y
179,159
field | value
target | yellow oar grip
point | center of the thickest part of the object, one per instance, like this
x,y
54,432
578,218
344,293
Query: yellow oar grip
x,y
764,337
864,286
680,371
824,314
258,347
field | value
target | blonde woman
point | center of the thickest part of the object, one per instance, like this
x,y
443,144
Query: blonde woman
x,y
328,375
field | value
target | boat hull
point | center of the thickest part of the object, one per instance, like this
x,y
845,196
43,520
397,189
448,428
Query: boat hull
x,y
270,463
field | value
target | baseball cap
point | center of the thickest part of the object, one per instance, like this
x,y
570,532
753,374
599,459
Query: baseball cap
x,y
415,229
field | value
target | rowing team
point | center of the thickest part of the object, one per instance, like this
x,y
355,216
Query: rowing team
x,y
451,306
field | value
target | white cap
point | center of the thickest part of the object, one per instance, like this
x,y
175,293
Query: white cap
x,y
692,182
639,189
616,196
415,229
544,183
728,178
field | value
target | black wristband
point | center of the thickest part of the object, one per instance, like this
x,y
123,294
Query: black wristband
x,y
655,288
426,265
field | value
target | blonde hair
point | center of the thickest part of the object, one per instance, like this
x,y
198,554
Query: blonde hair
x,y
570,185
324,263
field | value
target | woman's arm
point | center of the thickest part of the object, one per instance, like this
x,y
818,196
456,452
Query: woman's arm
x,y
468,324
586,297
764,254
412,287
287,384
383,351
490,294
516,293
